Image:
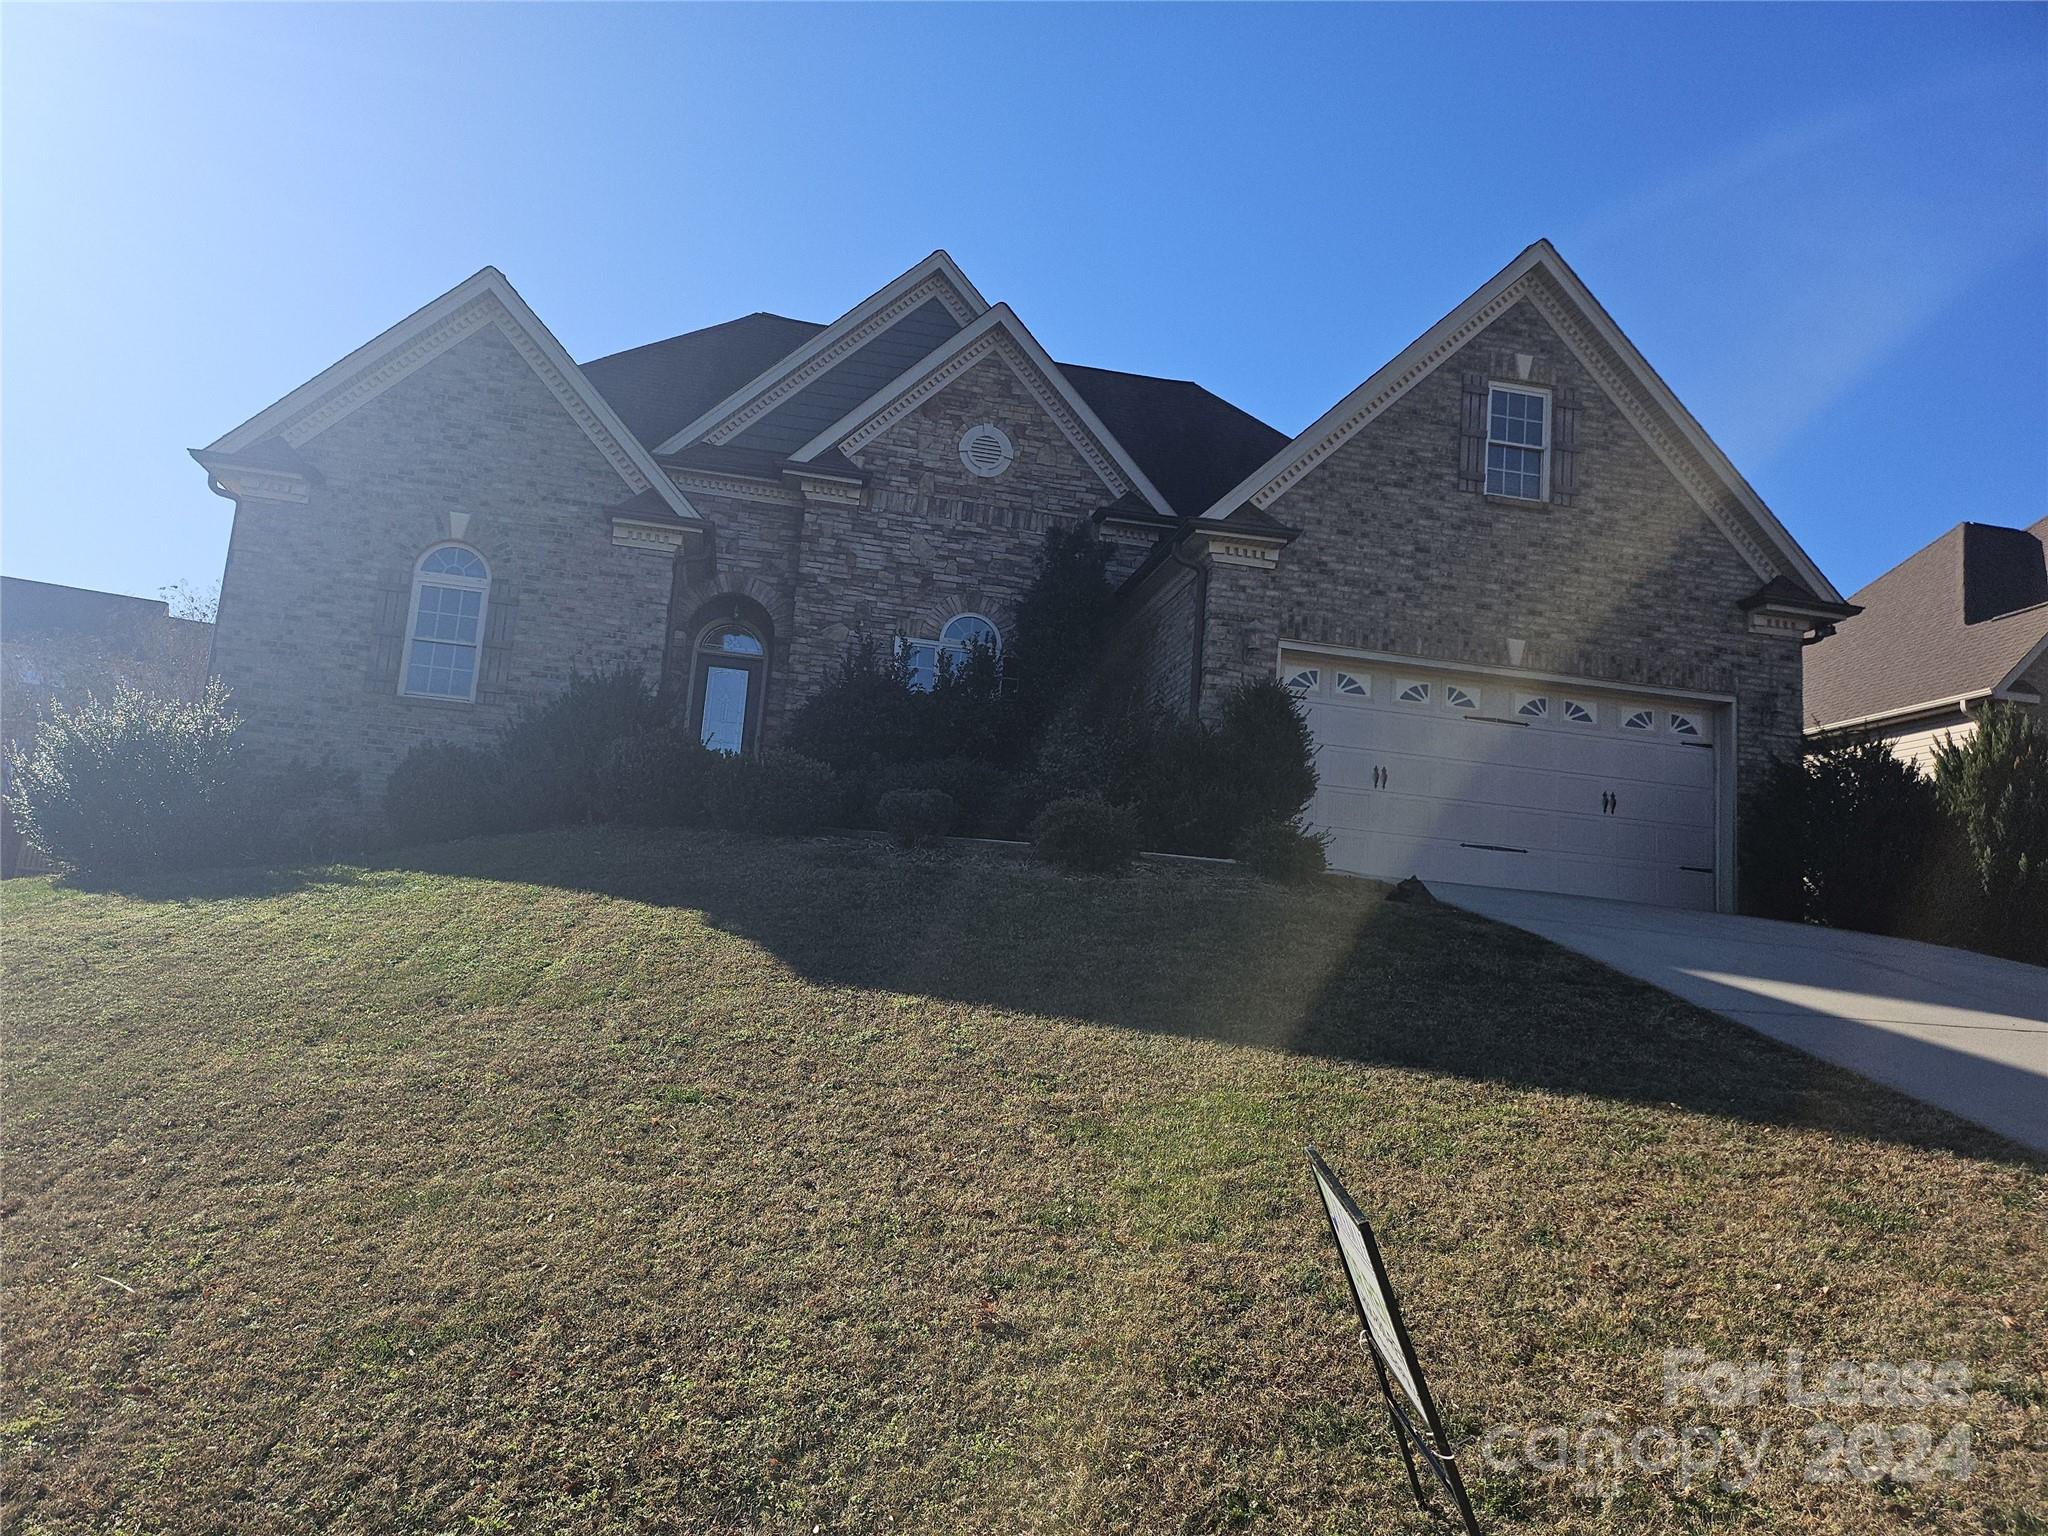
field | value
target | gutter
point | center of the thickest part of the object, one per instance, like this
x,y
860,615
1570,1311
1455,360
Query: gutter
x,y
1905,713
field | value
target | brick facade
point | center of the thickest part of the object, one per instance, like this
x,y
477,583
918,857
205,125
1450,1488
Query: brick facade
x,y
313,594
1628,583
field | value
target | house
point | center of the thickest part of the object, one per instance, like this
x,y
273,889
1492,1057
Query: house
x,y
1543,629
1941,634
61,645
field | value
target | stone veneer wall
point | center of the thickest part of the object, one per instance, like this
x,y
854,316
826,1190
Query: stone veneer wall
x,y
311,594
1629,583
928,539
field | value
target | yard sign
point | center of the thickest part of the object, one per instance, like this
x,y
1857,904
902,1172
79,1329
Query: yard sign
x,y
1386,1340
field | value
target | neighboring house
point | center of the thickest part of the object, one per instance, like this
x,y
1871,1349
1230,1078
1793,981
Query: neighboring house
x,y
1941,634
61,645
1541,626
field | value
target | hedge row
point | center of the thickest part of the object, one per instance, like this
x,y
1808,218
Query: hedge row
x,y
1854,837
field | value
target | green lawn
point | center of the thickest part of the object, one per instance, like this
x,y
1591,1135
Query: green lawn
x,y
621,1181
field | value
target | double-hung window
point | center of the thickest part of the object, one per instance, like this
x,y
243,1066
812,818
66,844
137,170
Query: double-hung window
x,y
1517,443
449,590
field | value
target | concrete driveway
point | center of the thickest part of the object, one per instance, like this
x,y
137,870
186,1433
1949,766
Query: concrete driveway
x,y
1961,1031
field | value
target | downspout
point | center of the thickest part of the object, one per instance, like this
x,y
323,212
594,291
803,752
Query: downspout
x,y
1201,570
220,603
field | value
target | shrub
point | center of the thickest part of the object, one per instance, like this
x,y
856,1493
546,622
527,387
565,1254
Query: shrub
x,y
134,782
1268,752
1993,790
555,753
1869,818
991,803
1771,830
440,791
1284,851
1200,790
1840,838
1085,837
864,716
778,792
659,777
1057,634
918,818
297,813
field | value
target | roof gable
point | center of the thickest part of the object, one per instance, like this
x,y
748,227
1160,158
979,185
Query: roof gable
x,y
935,279
1540,276
1001,335
485,299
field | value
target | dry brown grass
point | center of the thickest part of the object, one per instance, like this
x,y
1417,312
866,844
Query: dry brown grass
x,y
609,1182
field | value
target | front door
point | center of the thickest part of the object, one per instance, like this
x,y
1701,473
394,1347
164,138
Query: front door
x,y
725,690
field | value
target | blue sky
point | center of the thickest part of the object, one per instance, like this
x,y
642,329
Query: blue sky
x,y
1826,226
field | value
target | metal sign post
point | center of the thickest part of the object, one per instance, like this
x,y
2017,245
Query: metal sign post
x,y
1385,1338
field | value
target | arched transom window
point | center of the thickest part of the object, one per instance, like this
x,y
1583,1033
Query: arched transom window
x,y
450,588
956,643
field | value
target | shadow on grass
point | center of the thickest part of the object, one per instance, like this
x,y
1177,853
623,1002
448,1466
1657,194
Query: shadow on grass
x,y
1334,971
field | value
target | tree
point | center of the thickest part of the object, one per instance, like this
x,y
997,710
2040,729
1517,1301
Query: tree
x,y
1993,788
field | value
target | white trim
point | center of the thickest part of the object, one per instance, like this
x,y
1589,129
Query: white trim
x,y
738,487
1000,334
638,533
936,277
1903,715
412,620
484,299
262,484
1540,275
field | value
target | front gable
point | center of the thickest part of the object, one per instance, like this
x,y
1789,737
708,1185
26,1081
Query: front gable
x,y
793,418
261,458
997,346
1540,281
847,360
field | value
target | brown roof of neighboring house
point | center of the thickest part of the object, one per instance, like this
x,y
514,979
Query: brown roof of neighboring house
x,y
1955,620
1191,444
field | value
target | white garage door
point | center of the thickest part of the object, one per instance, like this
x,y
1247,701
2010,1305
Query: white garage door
x,y
1495,781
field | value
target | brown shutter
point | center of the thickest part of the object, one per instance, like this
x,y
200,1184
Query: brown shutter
x,y
1564,449
387,637
1472,435
500,621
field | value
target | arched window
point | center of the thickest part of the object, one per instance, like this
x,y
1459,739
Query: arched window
x,y
956,642
450,588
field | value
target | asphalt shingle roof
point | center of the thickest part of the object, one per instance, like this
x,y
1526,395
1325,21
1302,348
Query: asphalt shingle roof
x,y
1193,445
1950,621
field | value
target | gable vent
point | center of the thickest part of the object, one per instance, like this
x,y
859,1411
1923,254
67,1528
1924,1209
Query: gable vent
x,y
987,450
